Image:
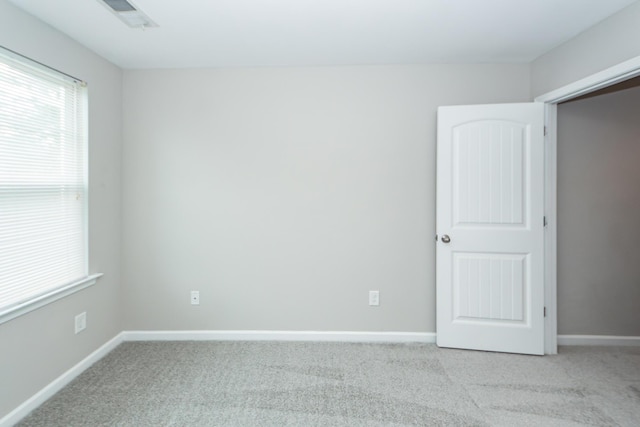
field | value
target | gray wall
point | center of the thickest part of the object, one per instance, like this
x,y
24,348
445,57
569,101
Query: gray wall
x,y
38,347
284,195
598,214
609,43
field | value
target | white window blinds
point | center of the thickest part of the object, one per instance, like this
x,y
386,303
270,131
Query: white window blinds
x,y
43,185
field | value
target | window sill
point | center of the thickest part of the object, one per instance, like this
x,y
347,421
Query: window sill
x,y
48,298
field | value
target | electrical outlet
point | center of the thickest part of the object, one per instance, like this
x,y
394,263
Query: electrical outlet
x,y
81,322
374,297
195,297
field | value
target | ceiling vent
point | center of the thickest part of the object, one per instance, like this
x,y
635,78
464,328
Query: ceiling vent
x,y
129,14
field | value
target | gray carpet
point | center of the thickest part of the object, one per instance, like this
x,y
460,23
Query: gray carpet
x,y
339,384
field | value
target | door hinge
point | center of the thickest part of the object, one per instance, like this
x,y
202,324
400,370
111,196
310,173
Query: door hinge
x,y
545,312
545,131
544,221
436,237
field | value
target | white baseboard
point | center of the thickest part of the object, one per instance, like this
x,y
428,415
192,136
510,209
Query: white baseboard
x,y
598,340
345,336
335,336
56,385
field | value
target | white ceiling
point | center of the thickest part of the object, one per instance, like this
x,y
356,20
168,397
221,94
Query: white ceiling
x,y
231,33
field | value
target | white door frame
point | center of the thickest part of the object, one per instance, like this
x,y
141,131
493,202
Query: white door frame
x,y
610,76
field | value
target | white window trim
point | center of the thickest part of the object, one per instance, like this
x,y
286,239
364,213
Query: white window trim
x,y
63,291
48,298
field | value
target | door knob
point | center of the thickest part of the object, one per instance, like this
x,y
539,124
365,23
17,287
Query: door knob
x,y
446,239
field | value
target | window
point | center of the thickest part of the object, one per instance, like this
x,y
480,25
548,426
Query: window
x,y
43,185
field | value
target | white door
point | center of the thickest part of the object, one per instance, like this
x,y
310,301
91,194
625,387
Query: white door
x,y
490,201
